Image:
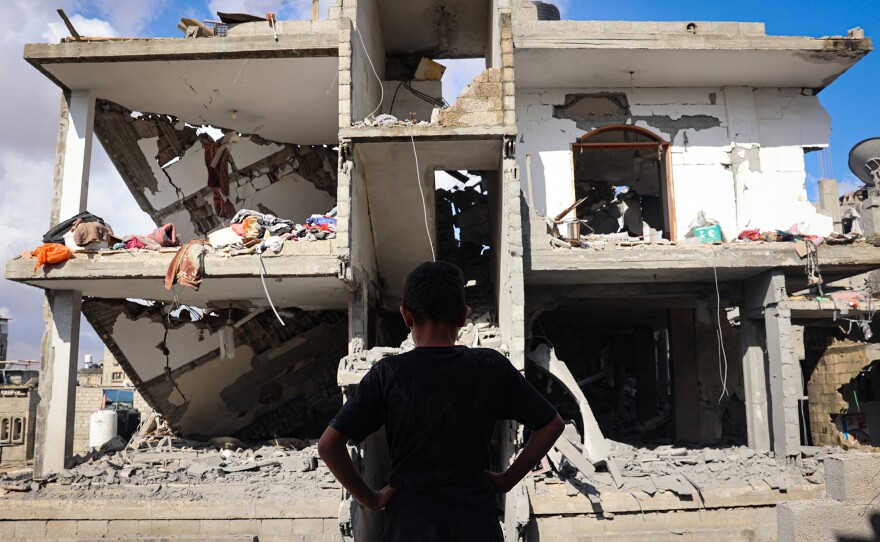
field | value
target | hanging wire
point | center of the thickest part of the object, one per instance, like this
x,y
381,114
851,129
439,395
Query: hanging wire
x,y
422,192
722,354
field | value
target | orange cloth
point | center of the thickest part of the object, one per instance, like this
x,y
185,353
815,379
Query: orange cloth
x,y
51,253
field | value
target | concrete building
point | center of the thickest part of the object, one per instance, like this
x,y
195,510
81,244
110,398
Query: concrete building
x,y
4,338
588,152
18,409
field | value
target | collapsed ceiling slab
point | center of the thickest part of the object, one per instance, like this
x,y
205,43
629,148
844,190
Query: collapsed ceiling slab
x,y
281,381
162,160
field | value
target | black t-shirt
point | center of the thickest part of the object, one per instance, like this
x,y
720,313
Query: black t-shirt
x,y
439,406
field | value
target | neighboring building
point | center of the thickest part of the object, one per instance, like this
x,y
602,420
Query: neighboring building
x,y
18,409
90,377
4,338
598,147
113,374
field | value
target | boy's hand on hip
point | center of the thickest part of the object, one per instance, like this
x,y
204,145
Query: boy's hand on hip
x,y
499,481
382,498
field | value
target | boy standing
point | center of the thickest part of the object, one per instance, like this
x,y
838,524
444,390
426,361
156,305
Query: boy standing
x,y
439,404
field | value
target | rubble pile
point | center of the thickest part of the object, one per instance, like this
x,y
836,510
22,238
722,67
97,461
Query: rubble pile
x,y
388,121
176,464
687,472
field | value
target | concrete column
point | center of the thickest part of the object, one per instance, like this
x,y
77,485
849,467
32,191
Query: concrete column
x,y
742,128
61,310
755,383
782,376
646,373
54,433
510,286
829,201
77,153
685,386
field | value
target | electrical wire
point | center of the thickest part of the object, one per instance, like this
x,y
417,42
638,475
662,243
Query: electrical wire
x,y
266,290
394,98
436,102
722,354
422,192
381,84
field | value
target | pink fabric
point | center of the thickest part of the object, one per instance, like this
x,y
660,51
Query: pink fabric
x,y
133,243
166,236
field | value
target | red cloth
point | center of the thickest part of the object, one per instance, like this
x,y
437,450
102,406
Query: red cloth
x,y
133,243
751,235
218,179
238,228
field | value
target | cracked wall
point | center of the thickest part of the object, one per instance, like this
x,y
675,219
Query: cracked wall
x,y
162,161
282,380
737,154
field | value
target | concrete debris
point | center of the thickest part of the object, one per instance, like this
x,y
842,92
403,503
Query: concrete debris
x,y
684,472
474,334
186,464
387,121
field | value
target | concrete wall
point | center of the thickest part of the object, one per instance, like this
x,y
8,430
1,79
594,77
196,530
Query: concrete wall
x,y
746,524
849,513
759,136
363,247
266,530
366,91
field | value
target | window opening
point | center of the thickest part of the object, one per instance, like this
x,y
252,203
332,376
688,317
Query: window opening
x,y
621,184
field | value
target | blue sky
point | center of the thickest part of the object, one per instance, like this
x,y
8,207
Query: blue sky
x,y
27,153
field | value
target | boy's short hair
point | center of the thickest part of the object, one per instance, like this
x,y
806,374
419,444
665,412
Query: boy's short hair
x,y
434,291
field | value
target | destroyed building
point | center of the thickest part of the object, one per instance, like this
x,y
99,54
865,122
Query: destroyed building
x,y
593,159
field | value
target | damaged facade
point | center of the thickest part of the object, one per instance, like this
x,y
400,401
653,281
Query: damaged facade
x,y
587,155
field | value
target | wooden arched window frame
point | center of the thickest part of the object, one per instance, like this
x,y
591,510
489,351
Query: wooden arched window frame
x,y
666,189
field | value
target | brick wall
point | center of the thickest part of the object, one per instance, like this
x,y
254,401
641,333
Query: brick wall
x,y
839,364
480,104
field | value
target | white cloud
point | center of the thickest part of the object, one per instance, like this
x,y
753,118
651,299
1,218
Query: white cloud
x,y
84,27
27,151
563,6
459,74
849,184
131,18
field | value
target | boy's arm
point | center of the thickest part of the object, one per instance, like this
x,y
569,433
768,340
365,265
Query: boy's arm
x,y
537,447
331,448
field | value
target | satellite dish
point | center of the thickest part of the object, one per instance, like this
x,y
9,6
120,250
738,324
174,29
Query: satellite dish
x,y
864,161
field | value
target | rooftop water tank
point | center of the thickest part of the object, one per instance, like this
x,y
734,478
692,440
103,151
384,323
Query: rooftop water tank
x,y
103,426
547,12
